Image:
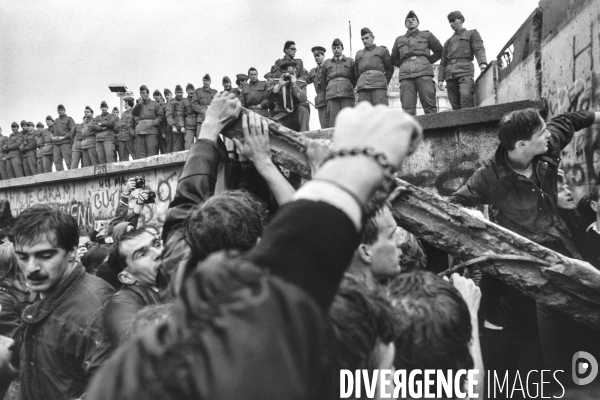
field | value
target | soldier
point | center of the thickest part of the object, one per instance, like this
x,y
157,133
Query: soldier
x,y
62,139
456,66
125,137
373,69
48,149
39,144
289,50
117,128
175,121
162,132
269,77
337,76
289,96
228,88
88,143
77,138
254,94
241,80
105,135
414,53
28,150
201,100
189,117
150,115
14,159
313,77
3,173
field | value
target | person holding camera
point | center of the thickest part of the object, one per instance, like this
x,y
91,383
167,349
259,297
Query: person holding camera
x,y
291,103
337,75
123,221
150,115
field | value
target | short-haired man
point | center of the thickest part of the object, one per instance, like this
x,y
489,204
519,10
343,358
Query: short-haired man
x,y
39,141
77,138
126,135
201,99
135,259
175,121
189,117
373,69
414,53
62,139
228,88
48,149
254,94
63,341
14,158
289,96
456,65
105,135
88,142
313,77
337,75
149,117
289,50
28,150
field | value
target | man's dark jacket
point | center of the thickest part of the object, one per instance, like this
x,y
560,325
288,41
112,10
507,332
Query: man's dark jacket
x,y
519,204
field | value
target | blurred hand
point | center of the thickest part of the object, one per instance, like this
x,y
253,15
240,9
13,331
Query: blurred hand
x,y
469,292
316,151
256,146
223,108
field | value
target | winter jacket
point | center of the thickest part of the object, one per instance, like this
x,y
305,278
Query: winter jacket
x,y
457,56
29,143
373,68
104,127
39,142
201,99
126,131
14,142
3,141
254,94
150,116
48,143
62,128
88,134
338,77
175,114
189,115
414,53
313,77
276,68
77,136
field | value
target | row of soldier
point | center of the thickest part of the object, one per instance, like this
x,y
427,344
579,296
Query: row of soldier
x,y
171,123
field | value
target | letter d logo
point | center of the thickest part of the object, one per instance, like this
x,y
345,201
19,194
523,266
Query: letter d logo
x,y
581,367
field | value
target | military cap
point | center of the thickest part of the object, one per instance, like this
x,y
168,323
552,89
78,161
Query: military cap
x,y
365,31
49,118
242,77
167,90
206,76
226,79
23,122
156,93
337,42
89,108
190,86
454,15
178,88
115,109
30,123
411,14
144,87
318,49
268,75
15,125
288,64
128,98
39,124
60,107
103,104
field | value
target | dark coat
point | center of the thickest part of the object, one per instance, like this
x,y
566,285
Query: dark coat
x,y
189,115
254,94
338,77
149,117
373,68
62,128
414,53
313,77
201,99
457,56
14,142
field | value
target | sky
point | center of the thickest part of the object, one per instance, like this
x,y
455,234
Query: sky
x,y
68,51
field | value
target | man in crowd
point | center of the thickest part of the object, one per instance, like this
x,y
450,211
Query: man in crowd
x,y
62,139
373,68
88,142
590,248
77,138
520,183
289,50
28,150
39,141
228,88
125,137
456,65
3,172
14,159
414,53
63,341
201,99
162,129
176,121
149,117
189,117
241,80
289,96
313,77
135,259
105,135
48,149
254,94
337,75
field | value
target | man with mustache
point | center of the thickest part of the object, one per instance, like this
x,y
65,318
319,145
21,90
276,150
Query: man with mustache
x,y
62,340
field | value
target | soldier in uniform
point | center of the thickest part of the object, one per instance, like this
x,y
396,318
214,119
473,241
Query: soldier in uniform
x,y
254,94
28,150
289,50
105,135
414,53
88,143
3,173
289,96
175,121
14,159
162,129
39,144
126,135
189,117
241,80
337,75
313,77
201,100
77,138
456,66
150,116
228,88
374,69
48,149
62,139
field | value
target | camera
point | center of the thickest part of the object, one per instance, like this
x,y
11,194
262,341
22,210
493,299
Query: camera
x,y
150,197
140,182
287,77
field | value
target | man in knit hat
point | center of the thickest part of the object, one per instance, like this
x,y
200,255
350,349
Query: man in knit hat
x,y
27,149
337,75
126,135
414,53
105,135
175,121
456,65
48,149
189,117
14,158
150,116
373,68
201,99
62,139
313,77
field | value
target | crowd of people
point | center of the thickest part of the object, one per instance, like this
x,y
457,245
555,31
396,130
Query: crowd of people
x,y
172,121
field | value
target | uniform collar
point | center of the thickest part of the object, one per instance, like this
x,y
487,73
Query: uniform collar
x,y
413,33
460,32
288,57
342,58
371,47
